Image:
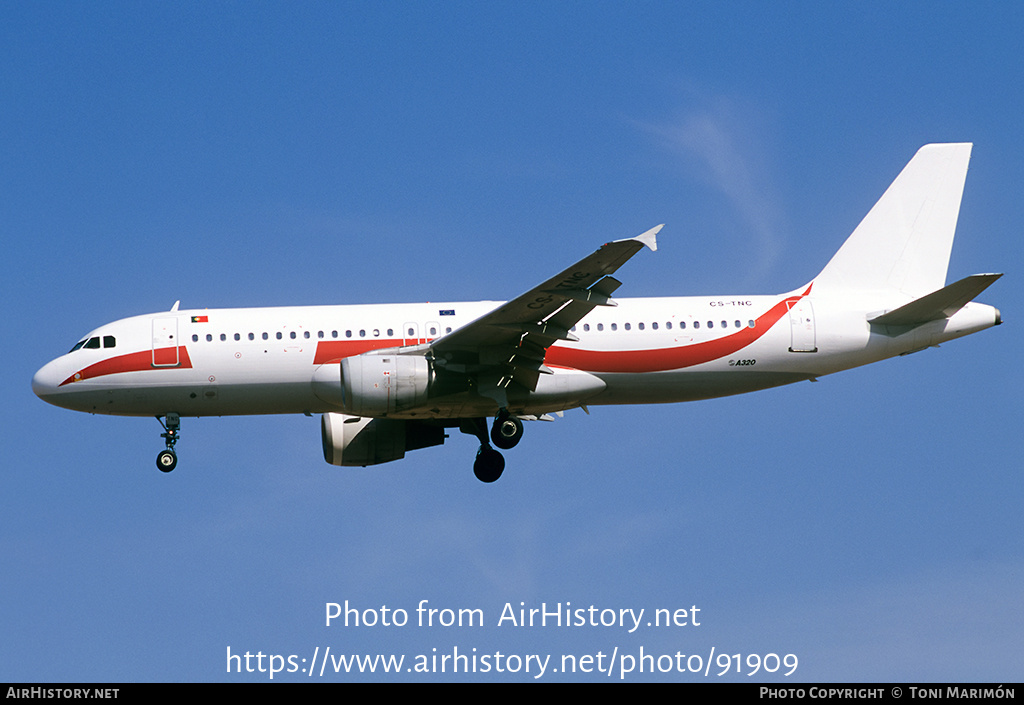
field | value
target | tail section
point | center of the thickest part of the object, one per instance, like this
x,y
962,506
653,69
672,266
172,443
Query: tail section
x,y
903,243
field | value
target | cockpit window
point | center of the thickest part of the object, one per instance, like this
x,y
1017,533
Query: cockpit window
x,y
108,341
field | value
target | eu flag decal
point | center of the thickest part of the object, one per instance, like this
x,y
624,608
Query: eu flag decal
x,y
446,312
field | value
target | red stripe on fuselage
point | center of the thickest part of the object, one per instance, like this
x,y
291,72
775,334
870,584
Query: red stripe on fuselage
x,y
660,359
132,362
651,360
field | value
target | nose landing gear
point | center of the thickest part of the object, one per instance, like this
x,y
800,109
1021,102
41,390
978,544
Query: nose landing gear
x,y
167,459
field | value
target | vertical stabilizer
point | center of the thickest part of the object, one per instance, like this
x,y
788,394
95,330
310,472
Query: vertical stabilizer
x,y
903,243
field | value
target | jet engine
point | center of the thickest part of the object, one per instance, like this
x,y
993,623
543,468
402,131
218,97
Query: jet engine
x,y
376,384
356,441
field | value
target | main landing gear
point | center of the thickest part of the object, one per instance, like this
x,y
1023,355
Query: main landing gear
x,y
489,464
167,459
506,432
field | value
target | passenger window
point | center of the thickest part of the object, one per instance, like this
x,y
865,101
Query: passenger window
x,y
654,325
348,334
696,324
626,326
668,325
600,326
279,336
319,334
362,333
292,335
433,331
586,327
223,337
195,338
238,336
615,326
750,324
334,334
265,336
305,334
738,324
209,337
252,336
640,326
391,332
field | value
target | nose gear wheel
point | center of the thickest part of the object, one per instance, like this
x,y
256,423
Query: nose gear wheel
x,y
167,459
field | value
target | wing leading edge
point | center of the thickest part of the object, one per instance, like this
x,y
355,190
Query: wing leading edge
x,y
509,343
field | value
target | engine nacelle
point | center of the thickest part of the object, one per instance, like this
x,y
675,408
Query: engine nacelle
x,y
375,384
356,441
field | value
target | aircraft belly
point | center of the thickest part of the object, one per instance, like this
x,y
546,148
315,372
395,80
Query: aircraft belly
x,y
195,400
616,388
679,386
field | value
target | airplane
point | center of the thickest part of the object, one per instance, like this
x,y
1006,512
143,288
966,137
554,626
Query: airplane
x,y
389,379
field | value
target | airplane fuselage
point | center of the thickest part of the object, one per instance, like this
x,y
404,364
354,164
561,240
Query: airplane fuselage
x,y
284,360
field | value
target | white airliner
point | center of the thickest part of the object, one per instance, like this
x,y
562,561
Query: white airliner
x,y
392,378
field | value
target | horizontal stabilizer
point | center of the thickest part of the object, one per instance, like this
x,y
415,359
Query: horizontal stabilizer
x,y
939,304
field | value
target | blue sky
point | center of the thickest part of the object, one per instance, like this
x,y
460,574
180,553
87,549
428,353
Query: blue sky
x,y
237,154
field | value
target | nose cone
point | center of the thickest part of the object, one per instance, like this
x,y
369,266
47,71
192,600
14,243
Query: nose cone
x,y
46,381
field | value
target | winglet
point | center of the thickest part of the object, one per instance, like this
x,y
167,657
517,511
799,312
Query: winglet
x,y
648,237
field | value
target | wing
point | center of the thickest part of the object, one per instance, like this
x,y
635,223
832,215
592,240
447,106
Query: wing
x,y
509,343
